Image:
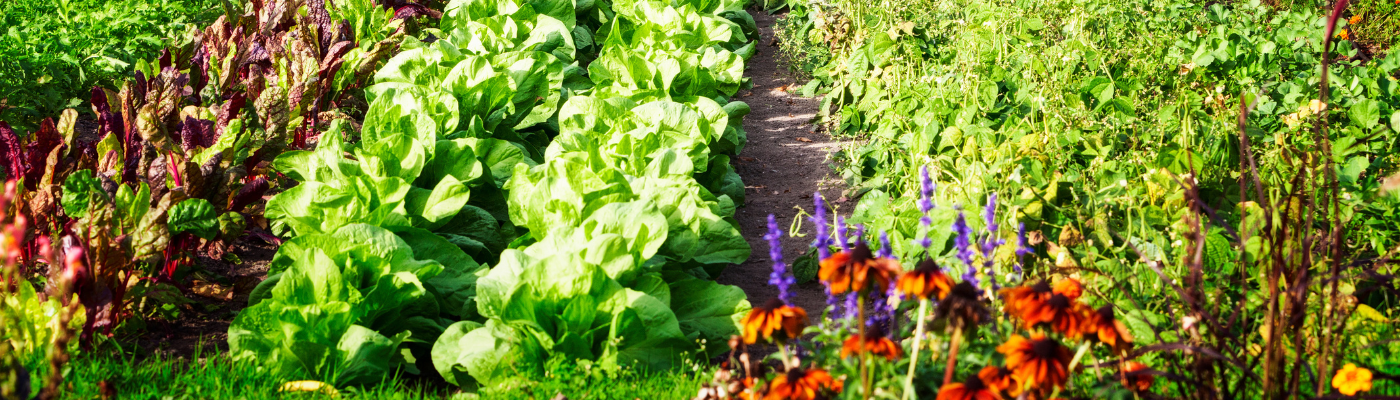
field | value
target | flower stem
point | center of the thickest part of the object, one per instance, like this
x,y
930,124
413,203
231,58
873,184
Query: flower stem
x,y
952,355
787,359
860,347
914,354
1079,356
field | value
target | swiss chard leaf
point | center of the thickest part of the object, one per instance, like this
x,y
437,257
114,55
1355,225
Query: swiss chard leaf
x,y
195,216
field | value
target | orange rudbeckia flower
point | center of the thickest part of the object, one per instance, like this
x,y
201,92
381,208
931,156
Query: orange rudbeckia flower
x,y
1042,303
1000,380
873,342
1040,362
962,307
1025,297
772,318
1101,326
1351,379
1062,314
971,389
856,270
1069,287
925,282
802,384
1134,376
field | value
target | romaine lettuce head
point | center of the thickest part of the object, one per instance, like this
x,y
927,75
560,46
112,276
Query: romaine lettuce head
x,y
330,309
540,306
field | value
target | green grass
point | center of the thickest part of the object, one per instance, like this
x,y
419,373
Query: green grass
x,y
578,381
53,51
1378,23
220,377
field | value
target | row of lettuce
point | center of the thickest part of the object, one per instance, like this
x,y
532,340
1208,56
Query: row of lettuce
x,y
539,179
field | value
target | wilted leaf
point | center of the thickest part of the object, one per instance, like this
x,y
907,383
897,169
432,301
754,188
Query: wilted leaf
x,y
1371,313
211,290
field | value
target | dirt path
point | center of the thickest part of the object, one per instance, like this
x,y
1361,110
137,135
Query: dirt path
x,y
785,161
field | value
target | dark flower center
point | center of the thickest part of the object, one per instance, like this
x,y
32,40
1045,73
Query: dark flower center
x,y
773,304
1106,313
1042,287
974,383
964,290
1045,349
928,265
795,375
874,333
1059,302
861,253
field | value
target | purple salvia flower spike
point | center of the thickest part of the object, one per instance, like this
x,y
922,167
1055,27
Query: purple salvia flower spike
x,y
990,213
823,240
963,241
925,242
1023,247
926,196
832,302
780,276
992,242
877,314
928,185
971,277
851,305
841,234
823,244
925,205
885,250
893,298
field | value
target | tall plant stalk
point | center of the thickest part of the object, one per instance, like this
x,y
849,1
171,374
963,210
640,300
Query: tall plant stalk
x,y
914,354
860,348
1329,312
952,354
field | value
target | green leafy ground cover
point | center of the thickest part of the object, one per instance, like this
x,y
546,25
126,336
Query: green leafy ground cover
x,y
221,378
1087,112
53,52
1101,126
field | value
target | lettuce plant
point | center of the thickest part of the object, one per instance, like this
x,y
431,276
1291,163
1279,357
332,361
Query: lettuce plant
x,y
588,293
492,96
339,304
672,25
400,174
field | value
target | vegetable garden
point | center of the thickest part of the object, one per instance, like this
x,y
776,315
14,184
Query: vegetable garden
x,y
543,199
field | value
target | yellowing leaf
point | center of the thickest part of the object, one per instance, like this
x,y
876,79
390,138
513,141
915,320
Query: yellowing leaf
x,y
309,386
1371,313
212,290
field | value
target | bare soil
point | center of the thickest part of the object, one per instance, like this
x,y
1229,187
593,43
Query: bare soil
x,y
202,328
786,160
